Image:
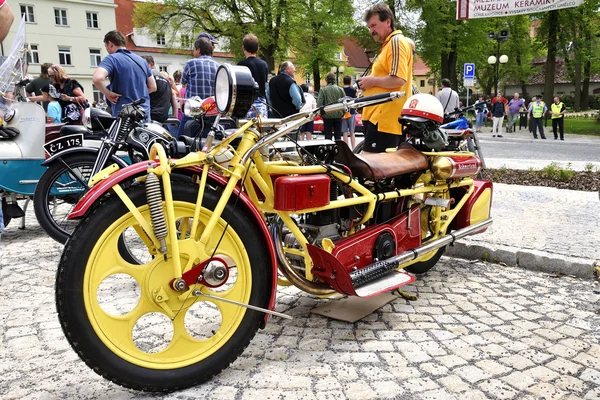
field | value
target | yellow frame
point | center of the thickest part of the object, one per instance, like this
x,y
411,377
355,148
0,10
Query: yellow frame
x,y
257,172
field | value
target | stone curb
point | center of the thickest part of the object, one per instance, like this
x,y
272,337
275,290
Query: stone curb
x,y
534,260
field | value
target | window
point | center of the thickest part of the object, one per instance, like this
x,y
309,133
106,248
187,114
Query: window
x,y
92,20
185,41
96,94
162,68
60,17
161,39
95,57
27,12
64,55
422,83
33,57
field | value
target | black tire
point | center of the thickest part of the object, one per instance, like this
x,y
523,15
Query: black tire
x,y
358,148
424,266
55,223
74,314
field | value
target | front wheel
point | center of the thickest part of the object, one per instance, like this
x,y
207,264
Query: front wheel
x,y
58,191
125,320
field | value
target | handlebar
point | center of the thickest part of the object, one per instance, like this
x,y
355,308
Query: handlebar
x,y
139,102
460,110
363,101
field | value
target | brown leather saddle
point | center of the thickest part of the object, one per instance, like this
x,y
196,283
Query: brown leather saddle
x,y
376,166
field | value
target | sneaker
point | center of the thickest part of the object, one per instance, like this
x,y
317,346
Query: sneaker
x,y
500,136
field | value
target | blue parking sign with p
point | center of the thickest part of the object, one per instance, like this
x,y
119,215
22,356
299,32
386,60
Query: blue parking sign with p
x,y
469,70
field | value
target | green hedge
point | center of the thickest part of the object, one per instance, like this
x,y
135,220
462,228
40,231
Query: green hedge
x,y
568,100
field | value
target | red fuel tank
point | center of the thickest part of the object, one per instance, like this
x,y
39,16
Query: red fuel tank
x,y
448,167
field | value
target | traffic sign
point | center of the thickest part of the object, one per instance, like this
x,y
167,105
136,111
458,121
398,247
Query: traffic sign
x,y
469,71
468,82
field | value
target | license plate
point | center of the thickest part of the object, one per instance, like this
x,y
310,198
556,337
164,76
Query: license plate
x,y
63,143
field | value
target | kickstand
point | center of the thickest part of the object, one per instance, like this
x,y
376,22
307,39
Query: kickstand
x,y
405,295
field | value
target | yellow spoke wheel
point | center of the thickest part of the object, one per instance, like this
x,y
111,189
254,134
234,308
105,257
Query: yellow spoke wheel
x,y
124,319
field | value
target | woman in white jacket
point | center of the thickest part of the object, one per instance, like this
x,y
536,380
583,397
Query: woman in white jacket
x,y
310,104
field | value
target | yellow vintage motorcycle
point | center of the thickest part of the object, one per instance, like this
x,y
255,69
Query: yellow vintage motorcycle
x,y
210,251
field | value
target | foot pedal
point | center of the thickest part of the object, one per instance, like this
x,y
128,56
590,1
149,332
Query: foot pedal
x,y
14,211
388,283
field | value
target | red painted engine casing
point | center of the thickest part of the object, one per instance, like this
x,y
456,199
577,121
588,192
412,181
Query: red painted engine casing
x,y
356,251
301,192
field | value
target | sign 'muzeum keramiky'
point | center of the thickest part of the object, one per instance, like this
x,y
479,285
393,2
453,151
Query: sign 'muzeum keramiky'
x,y
468,9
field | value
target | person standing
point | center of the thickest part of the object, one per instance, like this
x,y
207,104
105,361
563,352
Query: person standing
x,y
499,110
129,75
448,98
391,71
309,104
537,109
332,121
34,88
514,107
162,99
349,119
181,90
260,72
68,92
283,93
481,111
198,78
558,118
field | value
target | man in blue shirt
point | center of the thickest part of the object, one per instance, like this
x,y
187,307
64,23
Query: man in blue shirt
x,y
130,76
199,77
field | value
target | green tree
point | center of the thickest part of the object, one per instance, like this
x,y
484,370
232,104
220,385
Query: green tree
x,y
231,19
318,28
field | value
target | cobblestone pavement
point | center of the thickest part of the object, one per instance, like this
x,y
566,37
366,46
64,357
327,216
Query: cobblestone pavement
x,y
555,221
477,331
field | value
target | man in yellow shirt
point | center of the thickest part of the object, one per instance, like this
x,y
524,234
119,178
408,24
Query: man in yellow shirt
x,y
392,71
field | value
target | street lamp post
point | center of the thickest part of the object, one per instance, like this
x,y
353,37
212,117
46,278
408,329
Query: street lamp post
x,y
337,70
498,59
492,60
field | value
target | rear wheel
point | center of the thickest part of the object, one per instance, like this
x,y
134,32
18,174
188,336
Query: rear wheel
x,y
125,320
58,191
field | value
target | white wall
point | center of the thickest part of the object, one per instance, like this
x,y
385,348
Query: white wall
x,y
48,36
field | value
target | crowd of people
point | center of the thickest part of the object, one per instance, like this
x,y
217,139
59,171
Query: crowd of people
x,y
512,110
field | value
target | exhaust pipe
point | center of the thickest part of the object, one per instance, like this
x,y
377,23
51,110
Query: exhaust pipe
x,y
383,267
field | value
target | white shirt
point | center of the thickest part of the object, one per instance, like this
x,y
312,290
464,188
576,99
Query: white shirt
x,y
310,104
443,96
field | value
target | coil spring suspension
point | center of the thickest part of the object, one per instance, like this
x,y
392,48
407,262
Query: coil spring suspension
x,y
124,129
154,199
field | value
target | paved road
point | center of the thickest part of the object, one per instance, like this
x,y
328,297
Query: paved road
x,y
478,331
521,150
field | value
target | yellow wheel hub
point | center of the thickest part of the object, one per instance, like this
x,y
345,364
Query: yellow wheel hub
x,y
132,334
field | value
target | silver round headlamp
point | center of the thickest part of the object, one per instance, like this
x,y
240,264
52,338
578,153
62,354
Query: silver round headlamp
x,y
235,90
192,106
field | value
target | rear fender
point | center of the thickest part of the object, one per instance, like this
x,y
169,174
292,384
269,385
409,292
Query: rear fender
x,y
478,206
78,150
215,179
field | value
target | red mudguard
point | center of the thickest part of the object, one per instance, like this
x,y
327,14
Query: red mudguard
x,y
137,169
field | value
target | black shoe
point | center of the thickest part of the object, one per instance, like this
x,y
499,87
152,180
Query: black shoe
x,y
555,138
562,139
500,136
544,137
535,137
493,135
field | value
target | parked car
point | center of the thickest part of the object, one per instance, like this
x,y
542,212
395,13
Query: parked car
x,y
358,128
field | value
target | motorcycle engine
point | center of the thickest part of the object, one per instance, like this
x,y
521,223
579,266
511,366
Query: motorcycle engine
x,y
315,235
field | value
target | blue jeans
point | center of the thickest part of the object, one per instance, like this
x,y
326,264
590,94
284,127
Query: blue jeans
x,y
481,119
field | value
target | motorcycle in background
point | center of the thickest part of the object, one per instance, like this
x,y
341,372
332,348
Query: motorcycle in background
x,y
210,249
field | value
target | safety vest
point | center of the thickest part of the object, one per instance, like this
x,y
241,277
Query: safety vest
x,y
538,110
556,108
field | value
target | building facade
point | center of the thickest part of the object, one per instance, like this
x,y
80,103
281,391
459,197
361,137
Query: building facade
x,y
65,32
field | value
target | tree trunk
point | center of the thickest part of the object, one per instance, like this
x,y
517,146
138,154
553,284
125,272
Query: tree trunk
x,y
316,75
551,58
585,92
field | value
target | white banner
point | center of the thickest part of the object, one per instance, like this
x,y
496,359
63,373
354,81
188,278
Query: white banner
x,y
469,9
